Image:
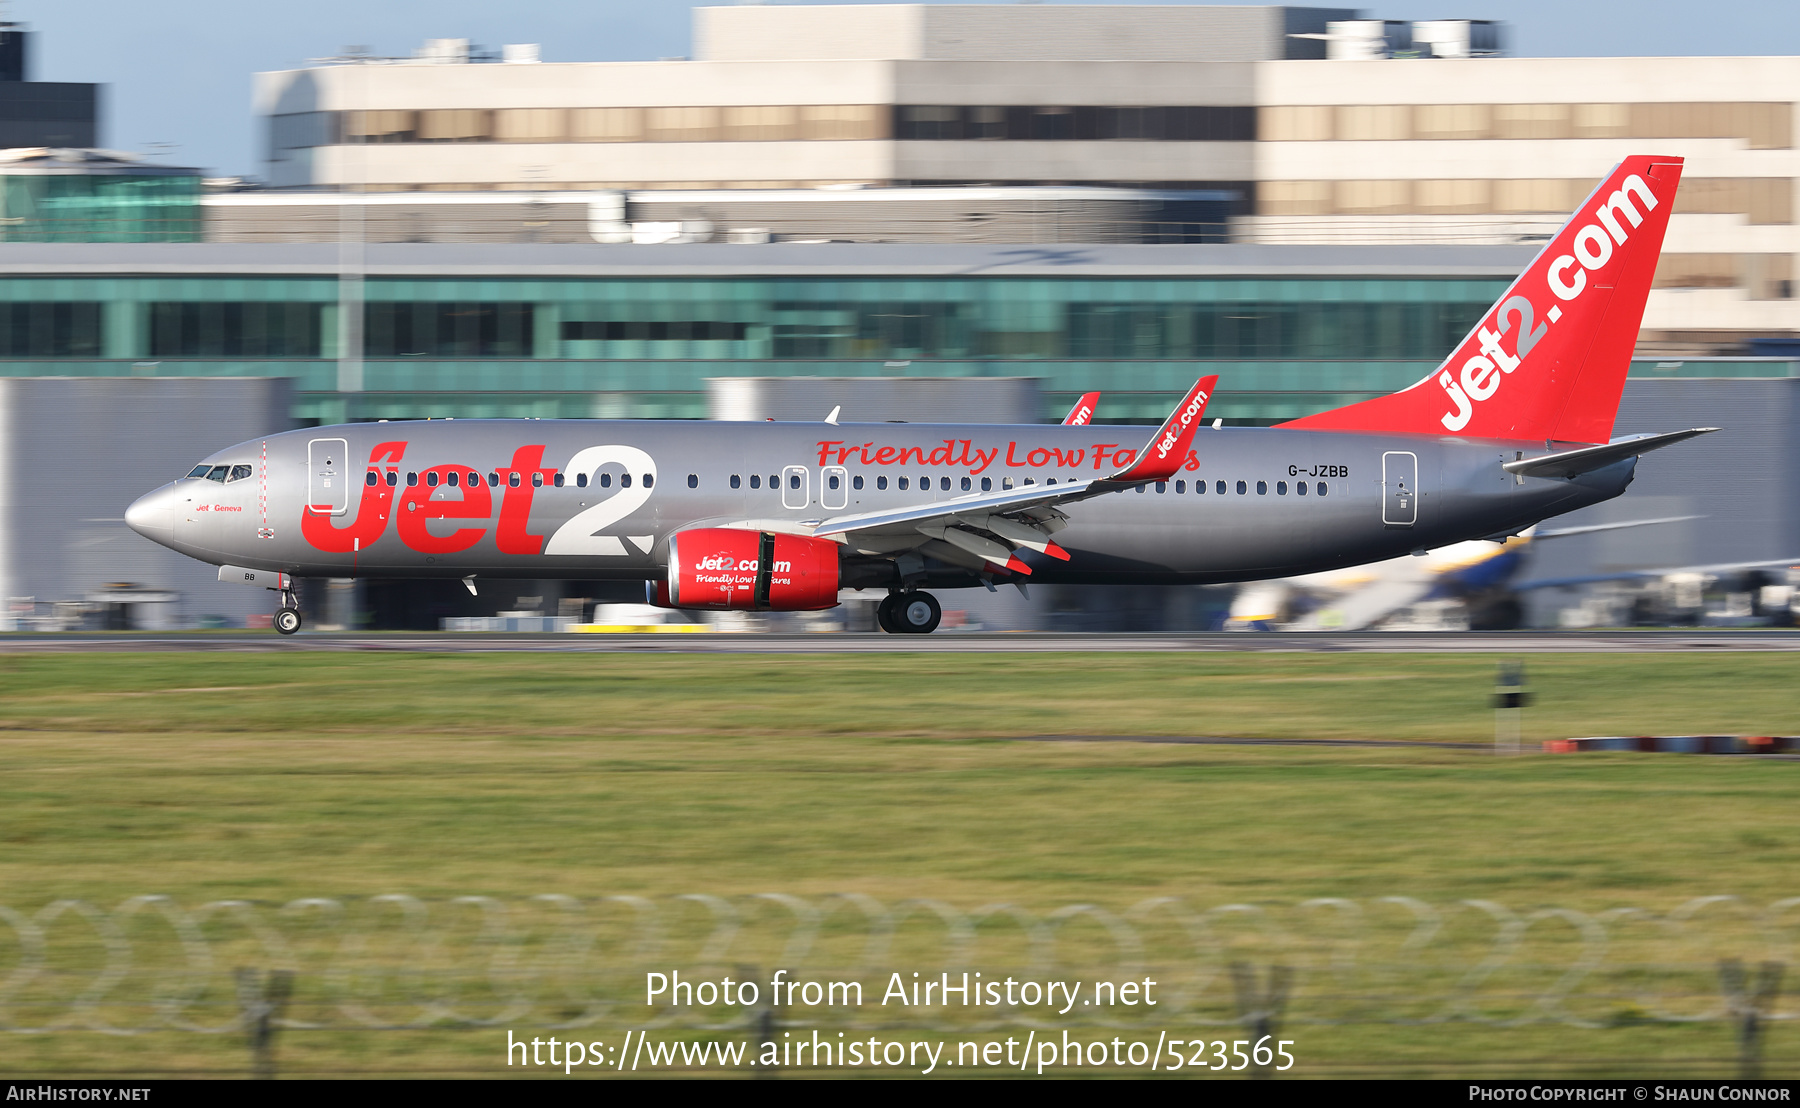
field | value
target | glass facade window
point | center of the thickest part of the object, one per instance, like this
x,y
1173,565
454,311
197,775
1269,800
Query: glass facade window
x,y
1186,123
39,329
99,208
680,330
448,330
249,329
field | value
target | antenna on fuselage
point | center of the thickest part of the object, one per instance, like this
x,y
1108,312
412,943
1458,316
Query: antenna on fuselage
x,y
832,418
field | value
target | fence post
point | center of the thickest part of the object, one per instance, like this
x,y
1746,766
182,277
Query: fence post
x,y
262,998
1749,1002
1260,1009
1509,697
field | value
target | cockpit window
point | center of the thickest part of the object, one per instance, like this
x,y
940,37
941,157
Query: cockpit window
x,y
198,471
217,473
238,473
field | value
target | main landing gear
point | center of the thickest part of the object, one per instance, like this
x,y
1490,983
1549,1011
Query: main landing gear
x,y
909,613
287,617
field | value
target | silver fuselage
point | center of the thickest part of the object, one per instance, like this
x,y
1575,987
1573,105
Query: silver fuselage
x,y
1368,497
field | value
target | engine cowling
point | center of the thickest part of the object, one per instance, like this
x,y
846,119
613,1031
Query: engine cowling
x,y
732,569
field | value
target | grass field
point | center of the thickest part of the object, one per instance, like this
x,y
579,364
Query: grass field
x,y
268,778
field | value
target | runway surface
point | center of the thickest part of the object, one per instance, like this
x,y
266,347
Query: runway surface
x,y
1393,642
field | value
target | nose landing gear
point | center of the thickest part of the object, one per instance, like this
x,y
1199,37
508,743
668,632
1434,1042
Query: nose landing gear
x,y
909,613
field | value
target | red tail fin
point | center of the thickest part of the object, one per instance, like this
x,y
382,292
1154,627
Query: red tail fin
x,y
1570,321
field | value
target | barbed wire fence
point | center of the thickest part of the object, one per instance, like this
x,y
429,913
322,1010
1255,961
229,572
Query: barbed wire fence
x,y
560,963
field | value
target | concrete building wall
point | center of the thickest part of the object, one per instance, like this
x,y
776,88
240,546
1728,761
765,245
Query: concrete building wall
x,y
75,452
875,399
1209,33
1743,481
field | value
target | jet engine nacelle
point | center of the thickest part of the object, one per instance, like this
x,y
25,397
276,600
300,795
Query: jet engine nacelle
x,y
737,570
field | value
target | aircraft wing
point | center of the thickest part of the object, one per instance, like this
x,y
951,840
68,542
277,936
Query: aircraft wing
x,y
983,529
1664,571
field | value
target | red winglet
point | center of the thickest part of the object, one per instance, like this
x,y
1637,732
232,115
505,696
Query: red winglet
x,y
1082,413
1168,448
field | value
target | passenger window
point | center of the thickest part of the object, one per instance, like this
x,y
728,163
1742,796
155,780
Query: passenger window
x,y
474,479
693,481
1321,488
412,479
217,473
1219,488
581,480
537,480
1180,487
793,480
238,473
1281,488
1162,487
1300,487
431,479
756,481
371,477
606,480
965,484
624,480
393,478
454,479
1006,482
649,480
1141,489
987,484
904,484
1033,481
943,483
1242,488
198,471
737,482
493,479
774,481
856,482
1051,481
1262,488
881,482
512,479
558,479
831,482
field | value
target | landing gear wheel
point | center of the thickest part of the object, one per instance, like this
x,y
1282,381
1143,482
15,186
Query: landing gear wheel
x,y
884,613
917,613
287,620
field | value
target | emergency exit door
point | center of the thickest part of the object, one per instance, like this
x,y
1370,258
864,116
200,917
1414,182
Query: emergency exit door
x,y
328,477
1399,488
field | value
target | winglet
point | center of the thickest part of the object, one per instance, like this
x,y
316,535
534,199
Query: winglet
x,y
1082,413
1168,448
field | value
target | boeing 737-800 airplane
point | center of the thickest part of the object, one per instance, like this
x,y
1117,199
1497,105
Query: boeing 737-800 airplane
x,y
1514,427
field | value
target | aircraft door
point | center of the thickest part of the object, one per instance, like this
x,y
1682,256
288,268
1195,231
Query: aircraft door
x,y
328,476
834,487
1399,488
795,492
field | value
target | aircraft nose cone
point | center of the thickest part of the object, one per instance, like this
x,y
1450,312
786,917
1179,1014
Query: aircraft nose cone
x,y
153,515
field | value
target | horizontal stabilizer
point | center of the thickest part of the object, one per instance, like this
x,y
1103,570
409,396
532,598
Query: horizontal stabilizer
x,y
1573,463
